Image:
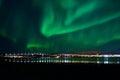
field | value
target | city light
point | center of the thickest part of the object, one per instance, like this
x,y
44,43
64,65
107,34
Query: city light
x,y
97,58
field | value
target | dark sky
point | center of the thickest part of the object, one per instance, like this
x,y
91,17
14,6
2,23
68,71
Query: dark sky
x,y
59,25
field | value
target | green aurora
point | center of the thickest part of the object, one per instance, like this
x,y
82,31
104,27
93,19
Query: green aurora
x,y
60,25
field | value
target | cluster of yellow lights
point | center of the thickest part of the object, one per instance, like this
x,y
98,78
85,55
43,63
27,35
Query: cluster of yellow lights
x,y
13,56
64,56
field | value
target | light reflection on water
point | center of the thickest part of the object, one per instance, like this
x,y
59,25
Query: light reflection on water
x,y
62,58
97,60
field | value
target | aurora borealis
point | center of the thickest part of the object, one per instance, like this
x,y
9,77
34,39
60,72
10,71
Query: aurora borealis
x,y
59,25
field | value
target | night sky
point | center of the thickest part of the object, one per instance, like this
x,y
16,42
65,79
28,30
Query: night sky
x,y
56,26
